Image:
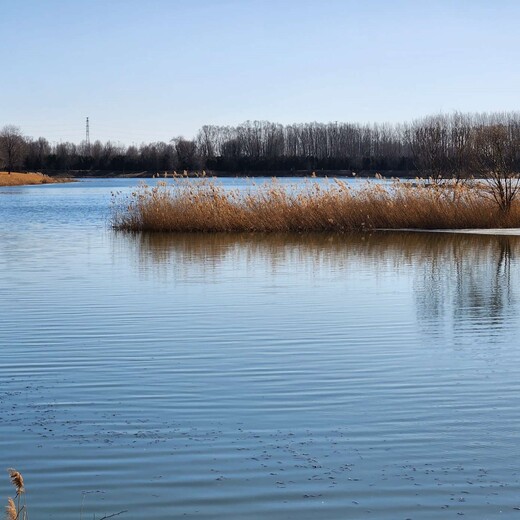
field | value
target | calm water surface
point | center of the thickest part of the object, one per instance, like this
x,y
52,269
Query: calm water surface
x,y
245,377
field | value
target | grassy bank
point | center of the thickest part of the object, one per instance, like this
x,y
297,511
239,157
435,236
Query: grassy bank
x,y
22,179
203,205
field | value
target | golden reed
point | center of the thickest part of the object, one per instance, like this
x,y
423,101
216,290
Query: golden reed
x,y
16,510
11,512
203,205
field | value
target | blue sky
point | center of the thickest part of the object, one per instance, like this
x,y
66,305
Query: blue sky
x,y
151,70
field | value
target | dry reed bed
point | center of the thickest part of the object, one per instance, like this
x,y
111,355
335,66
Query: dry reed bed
x,y
203,205
26,179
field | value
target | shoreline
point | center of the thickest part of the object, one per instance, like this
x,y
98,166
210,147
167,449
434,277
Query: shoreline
x,y
340,174
512,232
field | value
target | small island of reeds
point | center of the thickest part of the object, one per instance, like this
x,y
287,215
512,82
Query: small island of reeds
x,y
25,179
205,205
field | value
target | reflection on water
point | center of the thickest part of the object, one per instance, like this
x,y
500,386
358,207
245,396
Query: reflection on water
x,y
396,247
468,288
463,282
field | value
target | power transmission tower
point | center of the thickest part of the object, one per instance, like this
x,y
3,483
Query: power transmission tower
x,y
87,137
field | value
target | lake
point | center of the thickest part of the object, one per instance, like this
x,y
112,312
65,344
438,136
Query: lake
x,y
254,376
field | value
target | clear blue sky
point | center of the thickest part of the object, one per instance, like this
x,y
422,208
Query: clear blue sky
x,y
151,70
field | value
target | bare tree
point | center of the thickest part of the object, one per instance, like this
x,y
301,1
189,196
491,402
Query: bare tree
x,y
496,159
428,139
186,151
36,153
12,145
459,159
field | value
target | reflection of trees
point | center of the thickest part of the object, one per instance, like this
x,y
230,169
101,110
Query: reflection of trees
x,y
467,287
484,289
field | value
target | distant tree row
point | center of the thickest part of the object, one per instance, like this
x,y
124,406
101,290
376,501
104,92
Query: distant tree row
x,y
39,154
456,145
260,145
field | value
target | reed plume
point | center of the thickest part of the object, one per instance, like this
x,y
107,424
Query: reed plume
x,y
10,510
16,511
16,480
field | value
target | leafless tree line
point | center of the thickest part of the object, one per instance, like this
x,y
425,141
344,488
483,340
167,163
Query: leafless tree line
x,y
261,145
455,146
252,146
20,152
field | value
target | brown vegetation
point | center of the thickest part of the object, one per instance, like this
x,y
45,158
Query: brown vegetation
x,y
20,179
203,205
16,510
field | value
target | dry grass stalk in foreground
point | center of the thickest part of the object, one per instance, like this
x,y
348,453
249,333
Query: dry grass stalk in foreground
x,y
18,510
202,205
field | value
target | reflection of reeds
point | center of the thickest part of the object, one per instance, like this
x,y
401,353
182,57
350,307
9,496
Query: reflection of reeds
x,y
386,248
202,205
